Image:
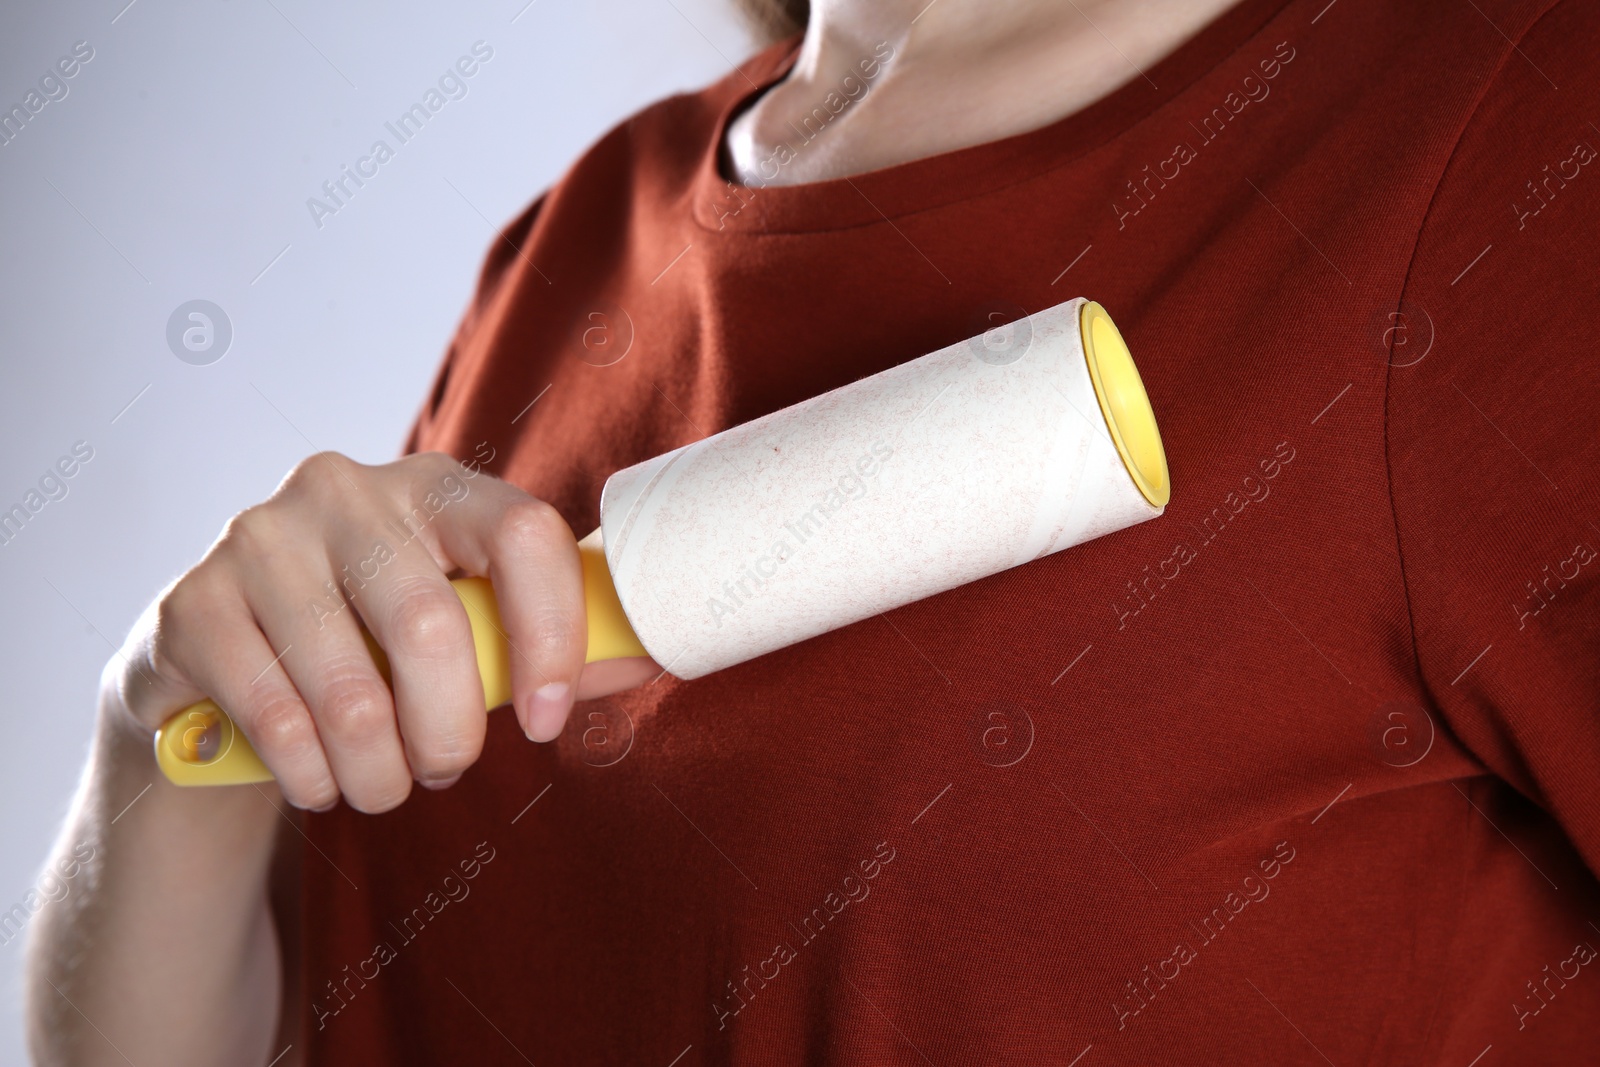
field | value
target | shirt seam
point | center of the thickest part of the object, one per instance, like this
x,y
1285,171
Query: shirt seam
x,y
1405,286
1472,114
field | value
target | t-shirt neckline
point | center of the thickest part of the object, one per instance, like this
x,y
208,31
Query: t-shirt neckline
x,y
962,174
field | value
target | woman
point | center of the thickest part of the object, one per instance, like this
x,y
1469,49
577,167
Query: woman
x,y
1306,771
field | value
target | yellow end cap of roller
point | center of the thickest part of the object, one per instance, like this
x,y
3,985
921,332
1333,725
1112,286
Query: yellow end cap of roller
x,y
1125,404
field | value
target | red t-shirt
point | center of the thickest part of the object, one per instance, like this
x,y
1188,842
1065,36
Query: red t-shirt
x,y
1306,770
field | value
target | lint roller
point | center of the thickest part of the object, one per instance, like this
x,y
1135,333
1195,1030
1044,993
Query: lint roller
x,y
1024,440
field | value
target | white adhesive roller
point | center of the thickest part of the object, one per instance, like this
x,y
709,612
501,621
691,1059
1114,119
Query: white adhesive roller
x,y
967,461
1027,439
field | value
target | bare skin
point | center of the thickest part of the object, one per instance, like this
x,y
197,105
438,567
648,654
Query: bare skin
x,y
957,73
167,953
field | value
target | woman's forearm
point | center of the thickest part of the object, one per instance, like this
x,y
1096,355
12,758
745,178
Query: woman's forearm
x,y
162,949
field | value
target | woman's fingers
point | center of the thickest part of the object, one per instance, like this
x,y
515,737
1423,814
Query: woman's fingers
x,y
431,727
208,637
528,552
265,704
321,651
416,617
353,709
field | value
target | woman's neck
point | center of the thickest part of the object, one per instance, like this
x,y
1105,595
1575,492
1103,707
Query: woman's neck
x,y
881,82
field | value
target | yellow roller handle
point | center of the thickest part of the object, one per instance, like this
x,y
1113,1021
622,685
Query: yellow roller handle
x,y
201,746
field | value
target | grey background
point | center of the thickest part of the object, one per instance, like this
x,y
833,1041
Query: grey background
x,y
177,168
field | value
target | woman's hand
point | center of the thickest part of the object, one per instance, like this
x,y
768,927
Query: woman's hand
x,y
269,625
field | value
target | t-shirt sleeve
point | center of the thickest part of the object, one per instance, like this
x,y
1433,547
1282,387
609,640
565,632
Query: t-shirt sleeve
x,y
1493,427
508,244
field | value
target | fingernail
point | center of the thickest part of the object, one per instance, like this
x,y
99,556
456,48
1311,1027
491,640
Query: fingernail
x,y
329,806
548,711
439,783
